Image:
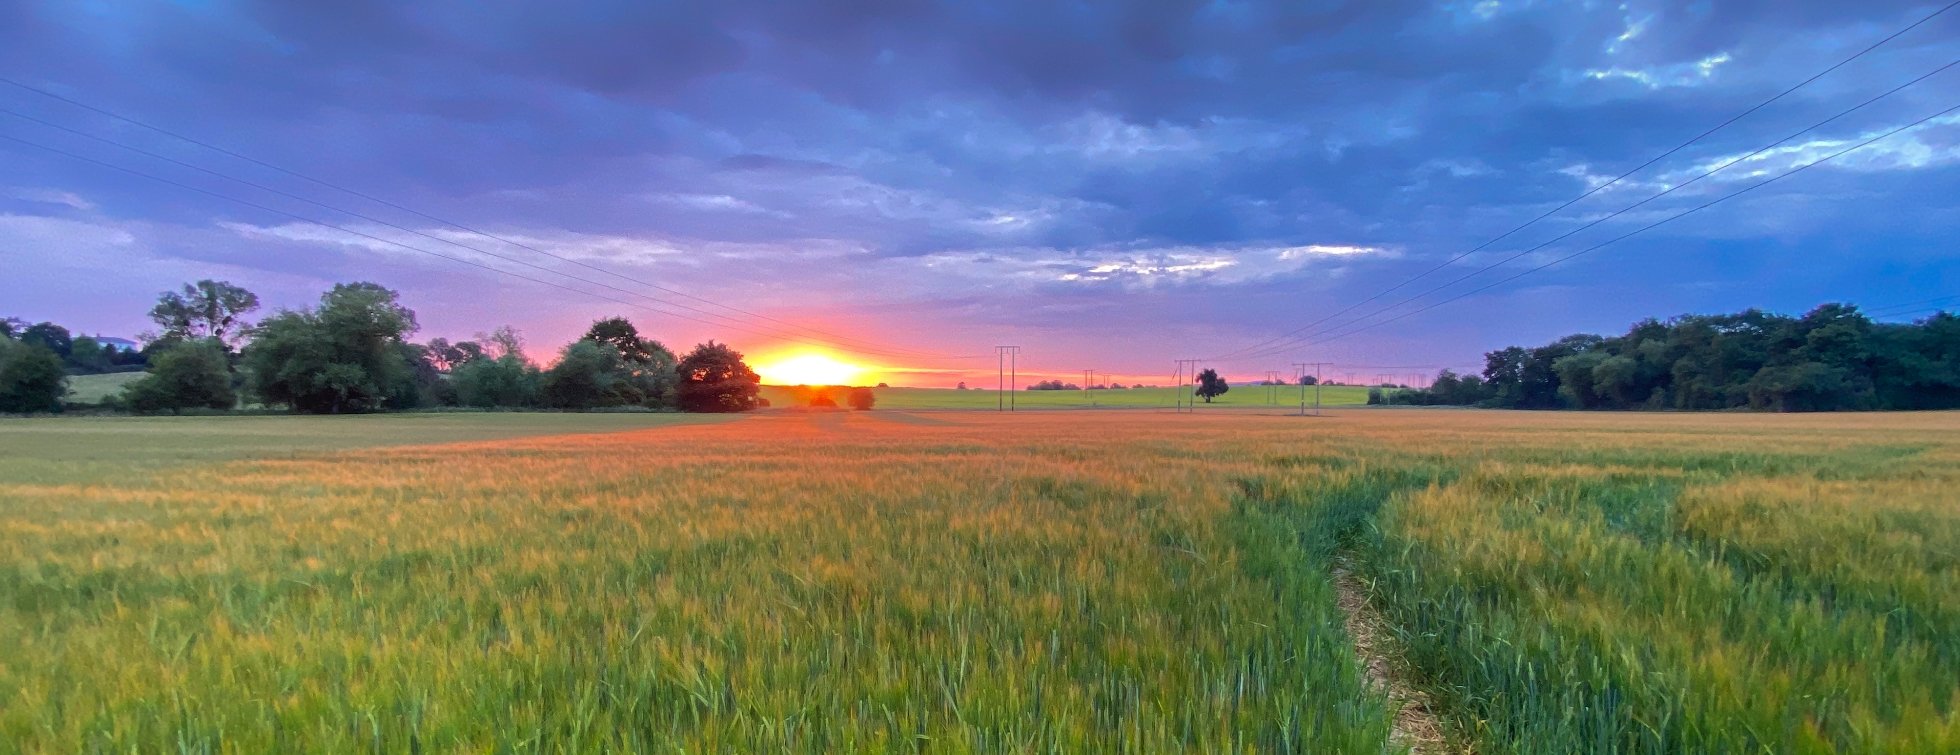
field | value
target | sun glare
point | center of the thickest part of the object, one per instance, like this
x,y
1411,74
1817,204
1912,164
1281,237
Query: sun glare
x,y
808,369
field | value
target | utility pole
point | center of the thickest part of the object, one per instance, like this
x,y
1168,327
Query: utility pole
x,y
1302,368
1181,383
1005,377
1089,385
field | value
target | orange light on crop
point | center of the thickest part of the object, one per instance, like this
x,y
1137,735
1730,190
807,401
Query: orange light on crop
x,y
808,368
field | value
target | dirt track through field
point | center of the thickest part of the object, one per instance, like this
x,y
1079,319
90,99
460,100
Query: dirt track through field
x,y
1416,725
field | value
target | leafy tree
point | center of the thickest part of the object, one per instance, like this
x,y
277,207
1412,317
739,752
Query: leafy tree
x,y
713,378
1504,374
424,385
446,356
1451,389
86,355
1831,358
1574,374
31,378
205,309
10,327
862,399
961,386
645,363
344,356
188,375
506,381
1799,387
620,333
502,342
1210,385
49,336
1917,366
589,375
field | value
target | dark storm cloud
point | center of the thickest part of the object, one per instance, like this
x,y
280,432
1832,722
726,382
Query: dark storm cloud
x,y
897,155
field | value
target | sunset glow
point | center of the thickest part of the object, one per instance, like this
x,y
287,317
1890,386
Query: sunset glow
x,y
807,368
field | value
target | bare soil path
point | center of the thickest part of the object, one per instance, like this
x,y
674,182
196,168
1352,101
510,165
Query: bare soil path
x,y
1416,724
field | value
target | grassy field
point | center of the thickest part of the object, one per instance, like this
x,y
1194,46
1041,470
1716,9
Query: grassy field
x,y
972,582
92,389
911,399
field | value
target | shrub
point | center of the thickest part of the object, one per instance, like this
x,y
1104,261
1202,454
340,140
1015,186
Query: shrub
x,y
862,399
31,379
189,375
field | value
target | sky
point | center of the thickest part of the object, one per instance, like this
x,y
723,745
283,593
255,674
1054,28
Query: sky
x,y
1108,185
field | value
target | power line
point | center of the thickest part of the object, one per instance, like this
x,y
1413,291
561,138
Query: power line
x,y
1920,304
453,224
1288,341
1913,313
392,242
1656,224
1596,189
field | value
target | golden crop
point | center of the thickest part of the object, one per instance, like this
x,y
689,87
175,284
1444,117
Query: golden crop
x,y
972,582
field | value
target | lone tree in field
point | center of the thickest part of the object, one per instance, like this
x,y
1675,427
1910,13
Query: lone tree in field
x,y
862,399
205,309
713,378
1210,385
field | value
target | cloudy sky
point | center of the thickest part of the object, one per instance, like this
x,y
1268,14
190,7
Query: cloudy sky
x,y
1110,185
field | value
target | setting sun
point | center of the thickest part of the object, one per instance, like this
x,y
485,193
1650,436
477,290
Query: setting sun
x,y
808,369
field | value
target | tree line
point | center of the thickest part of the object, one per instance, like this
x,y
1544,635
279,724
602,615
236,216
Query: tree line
x,y
351,353
1832,358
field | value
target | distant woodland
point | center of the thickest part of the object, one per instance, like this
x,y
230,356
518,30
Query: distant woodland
x,y
1833,358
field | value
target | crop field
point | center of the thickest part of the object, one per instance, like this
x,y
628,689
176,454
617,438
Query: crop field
x,y
976,582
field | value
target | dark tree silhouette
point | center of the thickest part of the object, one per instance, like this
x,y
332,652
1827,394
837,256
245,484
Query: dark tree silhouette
x,y
49,336
1210,385
620,333
448,357
713,378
